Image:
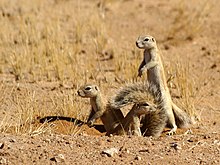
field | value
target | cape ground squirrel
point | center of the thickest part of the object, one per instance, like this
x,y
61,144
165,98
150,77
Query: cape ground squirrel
x,y
156,76
109,118
153,123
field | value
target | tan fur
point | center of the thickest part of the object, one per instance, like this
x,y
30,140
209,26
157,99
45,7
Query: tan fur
x,y
112,117
139,92
156,76
154,125
109,118
153,122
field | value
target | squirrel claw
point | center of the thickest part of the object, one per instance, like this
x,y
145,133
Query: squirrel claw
x,y
139,74
90,123
172,131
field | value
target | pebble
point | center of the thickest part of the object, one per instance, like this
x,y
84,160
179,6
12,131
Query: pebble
x,y
127,151
175,146
58,158
217,142
110,152
3,160
12,140
137,158
2,145
145,150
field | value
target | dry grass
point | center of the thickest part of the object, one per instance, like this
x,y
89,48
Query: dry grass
x,y
24,106
183,87
40,45
188,22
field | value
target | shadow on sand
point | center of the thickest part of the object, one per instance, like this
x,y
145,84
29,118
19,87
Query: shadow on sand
x,y
76,122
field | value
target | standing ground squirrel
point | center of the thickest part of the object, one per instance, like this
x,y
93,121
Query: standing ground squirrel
x,y
109,118
156,76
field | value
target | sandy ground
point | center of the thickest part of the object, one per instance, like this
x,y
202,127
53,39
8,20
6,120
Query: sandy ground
x,y
179,40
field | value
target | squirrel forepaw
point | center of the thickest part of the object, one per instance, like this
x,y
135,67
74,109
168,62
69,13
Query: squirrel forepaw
x,y
90,123
172,131
139,74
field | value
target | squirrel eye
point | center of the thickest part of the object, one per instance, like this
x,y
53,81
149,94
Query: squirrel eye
x,y
146,39
145,104
153,39
137,105
87,88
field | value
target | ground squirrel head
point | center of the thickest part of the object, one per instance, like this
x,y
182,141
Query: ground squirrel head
x,y
88,91
146,42
144,108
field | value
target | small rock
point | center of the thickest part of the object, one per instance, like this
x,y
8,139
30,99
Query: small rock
x,y
83,52
47,140
192,139
206,136
127,151
216,142
213,66
3,160
175,146
2,145
145,150
203,48
58,158
124,150
137,158
12,140
110,152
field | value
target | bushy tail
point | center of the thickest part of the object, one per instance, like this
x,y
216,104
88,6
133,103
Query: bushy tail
x,y
131,94
139,92
182,119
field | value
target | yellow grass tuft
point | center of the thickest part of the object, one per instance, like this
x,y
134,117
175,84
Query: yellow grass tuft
x,y
183,87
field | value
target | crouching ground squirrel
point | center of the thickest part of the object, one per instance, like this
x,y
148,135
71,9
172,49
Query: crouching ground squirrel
x,y
131,125
156,76
112,117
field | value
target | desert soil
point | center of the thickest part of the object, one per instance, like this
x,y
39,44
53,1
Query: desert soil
x,y
187,32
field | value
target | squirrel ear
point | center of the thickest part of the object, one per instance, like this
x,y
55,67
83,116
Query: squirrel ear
x,y
96,88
